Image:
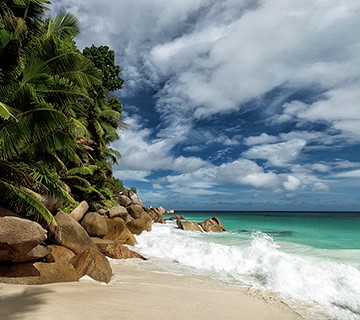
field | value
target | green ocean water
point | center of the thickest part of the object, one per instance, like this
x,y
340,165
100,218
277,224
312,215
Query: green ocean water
x,y
322,230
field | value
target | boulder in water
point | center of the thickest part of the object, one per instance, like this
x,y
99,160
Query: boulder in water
x,y
212,225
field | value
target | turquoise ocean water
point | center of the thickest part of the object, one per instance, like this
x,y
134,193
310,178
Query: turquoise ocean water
x,y
311,260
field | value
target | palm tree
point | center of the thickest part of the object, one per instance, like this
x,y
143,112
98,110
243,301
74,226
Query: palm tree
x,y
39,116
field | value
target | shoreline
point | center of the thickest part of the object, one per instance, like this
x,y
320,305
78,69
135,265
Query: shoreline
x,y
137,292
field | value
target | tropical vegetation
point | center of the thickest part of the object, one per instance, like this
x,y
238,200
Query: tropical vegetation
x,y
57,114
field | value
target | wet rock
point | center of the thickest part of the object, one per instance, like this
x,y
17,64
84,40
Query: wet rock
x,y
118,232
136,226
212,225
116,250
188,226
177,217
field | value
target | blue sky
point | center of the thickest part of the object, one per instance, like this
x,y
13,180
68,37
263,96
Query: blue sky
x,y
235,105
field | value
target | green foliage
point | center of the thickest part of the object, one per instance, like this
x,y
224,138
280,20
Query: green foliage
x,y
104,60
56,113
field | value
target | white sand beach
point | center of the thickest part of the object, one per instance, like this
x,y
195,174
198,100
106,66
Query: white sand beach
x,y
136,292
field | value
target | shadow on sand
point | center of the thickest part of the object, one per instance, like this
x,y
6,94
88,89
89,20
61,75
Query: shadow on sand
x,y
14,306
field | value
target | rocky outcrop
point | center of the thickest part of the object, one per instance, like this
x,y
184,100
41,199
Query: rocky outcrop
x,y
95,224
135,210
18,237
177,217
78,213
118,232
212,225
71,234
115,250
155,214
92,263
123,200
37,273
117,211
188,226
60,254
38,253
137,226
135,199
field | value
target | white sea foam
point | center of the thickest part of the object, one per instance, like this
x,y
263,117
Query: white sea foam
x,y
334,287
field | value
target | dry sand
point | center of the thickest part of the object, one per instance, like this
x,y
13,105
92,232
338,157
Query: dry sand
x,y
136,293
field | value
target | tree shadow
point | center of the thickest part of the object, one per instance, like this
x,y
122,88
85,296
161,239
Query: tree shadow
x,y
13,307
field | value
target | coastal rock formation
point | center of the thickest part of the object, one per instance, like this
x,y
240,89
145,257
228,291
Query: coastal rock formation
x,y
18,236
135,210
37,273
177,217
95,224
117,211
60,254
118,232
78,213
116,250
37,253
72,252
92,263
155,214
212,225
123,200
137,226
188,226
71,234
135,199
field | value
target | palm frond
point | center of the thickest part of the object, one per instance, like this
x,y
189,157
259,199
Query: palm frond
x,y
64,25
112,155
7,112
22,202
83,170
31,128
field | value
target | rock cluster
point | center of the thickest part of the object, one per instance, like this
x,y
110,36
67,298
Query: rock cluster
x,y
209,225
81,242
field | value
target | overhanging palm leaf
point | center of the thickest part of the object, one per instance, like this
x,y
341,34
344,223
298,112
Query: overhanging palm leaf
x,y
16,137
21,201
7,112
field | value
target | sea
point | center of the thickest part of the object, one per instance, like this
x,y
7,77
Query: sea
x,y
309,260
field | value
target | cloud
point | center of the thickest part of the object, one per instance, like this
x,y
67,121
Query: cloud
x,y
261,139
277,154
338,107
143,152
348,174
206,59
292,183
214,57
246,172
